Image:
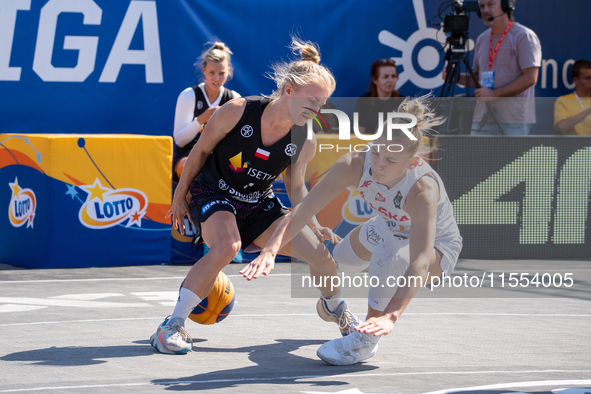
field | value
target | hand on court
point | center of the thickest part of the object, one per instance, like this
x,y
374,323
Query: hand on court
x,y
178,210
263,264
377,326
326,234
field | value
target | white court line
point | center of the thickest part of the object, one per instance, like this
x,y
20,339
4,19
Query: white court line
x,y
114,279
331,376
515,385
291,315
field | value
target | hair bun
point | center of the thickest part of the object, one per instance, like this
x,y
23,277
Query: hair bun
x,y
307,50
221,46
309,53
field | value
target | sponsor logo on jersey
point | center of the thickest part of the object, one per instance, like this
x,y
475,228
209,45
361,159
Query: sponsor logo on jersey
x,y
392,225
373,235
380,198
254,173
199,104
389,215
22,206
366,184
223,185
262,154
236,163
246,131
250,197
398,200
209,205
291,149
106,207
269,206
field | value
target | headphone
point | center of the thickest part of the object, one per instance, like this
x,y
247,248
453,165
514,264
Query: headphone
x,y
506,5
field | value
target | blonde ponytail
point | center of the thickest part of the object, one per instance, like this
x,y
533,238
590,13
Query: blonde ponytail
x,y
303,72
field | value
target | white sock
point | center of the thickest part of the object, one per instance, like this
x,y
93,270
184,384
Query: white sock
x,y
186,302
333,301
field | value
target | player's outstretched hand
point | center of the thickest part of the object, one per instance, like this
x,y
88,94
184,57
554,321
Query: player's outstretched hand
x,y
377,326
263,264
326,234
178,210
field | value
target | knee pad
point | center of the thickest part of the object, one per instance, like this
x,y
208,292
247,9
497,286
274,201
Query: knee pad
x,y
346,259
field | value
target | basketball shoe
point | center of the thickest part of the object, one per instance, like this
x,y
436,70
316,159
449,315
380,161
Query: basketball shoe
x,y
342,316
349,350
171,339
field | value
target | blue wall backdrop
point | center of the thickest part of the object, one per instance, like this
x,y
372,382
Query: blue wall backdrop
x,y
117,66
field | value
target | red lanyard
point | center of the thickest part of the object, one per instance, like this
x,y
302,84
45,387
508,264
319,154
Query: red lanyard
x,y
491,54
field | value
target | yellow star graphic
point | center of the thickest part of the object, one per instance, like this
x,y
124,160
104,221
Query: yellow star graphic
x,y
96,190
15,188
353,192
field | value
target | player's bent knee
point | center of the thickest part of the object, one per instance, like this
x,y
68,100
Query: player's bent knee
x,y
346,258
225,250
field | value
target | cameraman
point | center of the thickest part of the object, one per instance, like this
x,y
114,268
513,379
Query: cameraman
x,y
506,61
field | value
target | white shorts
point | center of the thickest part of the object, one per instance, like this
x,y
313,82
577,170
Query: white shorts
x,y
391,258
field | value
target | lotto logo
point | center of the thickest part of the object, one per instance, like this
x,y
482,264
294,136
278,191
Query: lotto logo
x,y
22,206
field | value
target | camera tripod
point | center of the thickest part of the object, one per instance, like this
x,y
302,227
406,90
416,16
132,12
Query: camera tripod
x,y
456,56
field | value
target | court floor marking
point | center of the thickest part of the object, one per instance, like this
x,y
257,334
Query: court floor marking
x,y
115,279
515,385
290,315
331,376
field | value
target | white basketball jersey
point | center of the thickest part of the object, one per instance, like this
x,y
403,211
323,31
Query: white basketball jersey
x,y
389,203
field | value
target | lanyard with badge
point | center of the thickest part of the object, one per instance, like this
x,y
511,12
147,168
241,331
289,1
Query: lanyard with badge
x,y
582,106
487,78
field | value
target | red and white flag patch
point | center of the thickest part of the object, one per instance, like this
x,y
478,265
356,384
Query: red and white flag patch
x,y
262,154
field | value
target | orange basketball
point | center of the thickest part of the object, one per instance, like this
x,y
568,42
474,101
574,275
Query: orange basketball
x,y
218,303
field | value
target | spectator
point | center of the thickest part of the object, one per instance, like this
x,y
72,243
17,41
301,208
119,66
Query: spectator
x,y
506,61
196,104
572,113
383,93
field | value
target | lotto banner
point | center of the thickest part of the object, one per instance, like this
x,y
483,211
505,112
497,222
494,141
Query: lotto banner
x,y
84,200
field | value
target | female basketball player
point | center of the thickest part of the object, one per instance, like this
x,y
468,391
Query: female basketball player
x,y
196,104
413,234
246,145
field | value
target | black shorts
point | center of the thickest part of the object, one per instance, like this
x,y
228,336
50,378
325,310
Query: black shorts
x,y
252,218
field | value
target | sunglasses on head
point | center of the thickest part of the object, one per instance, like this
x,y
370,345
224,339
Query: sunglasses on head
x,y
387,61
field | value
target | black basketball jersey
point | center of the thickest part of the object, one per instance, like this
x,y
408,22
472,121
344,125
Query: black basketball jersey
x,y
240,166
200,107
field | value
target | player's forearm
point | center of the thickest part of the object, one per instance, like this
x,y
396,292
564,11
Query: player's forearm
x,y
416,276
280,237
296,197
193,166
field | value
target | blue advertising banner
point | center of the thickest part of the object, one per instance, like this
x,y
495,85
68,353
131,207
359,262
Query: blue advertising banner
x,y
105,66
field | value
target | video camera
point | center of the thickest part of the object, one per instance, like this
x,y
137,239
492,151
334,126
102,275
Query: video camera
x,y
458,21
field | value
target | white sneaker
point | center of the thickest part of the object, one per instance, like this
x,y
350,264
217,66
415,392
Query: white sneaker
x,y
171,339
349,350
342,316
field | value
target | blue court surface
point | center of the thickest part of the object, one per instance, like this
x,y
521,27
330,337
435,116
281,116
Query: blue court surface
x,y
87,331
